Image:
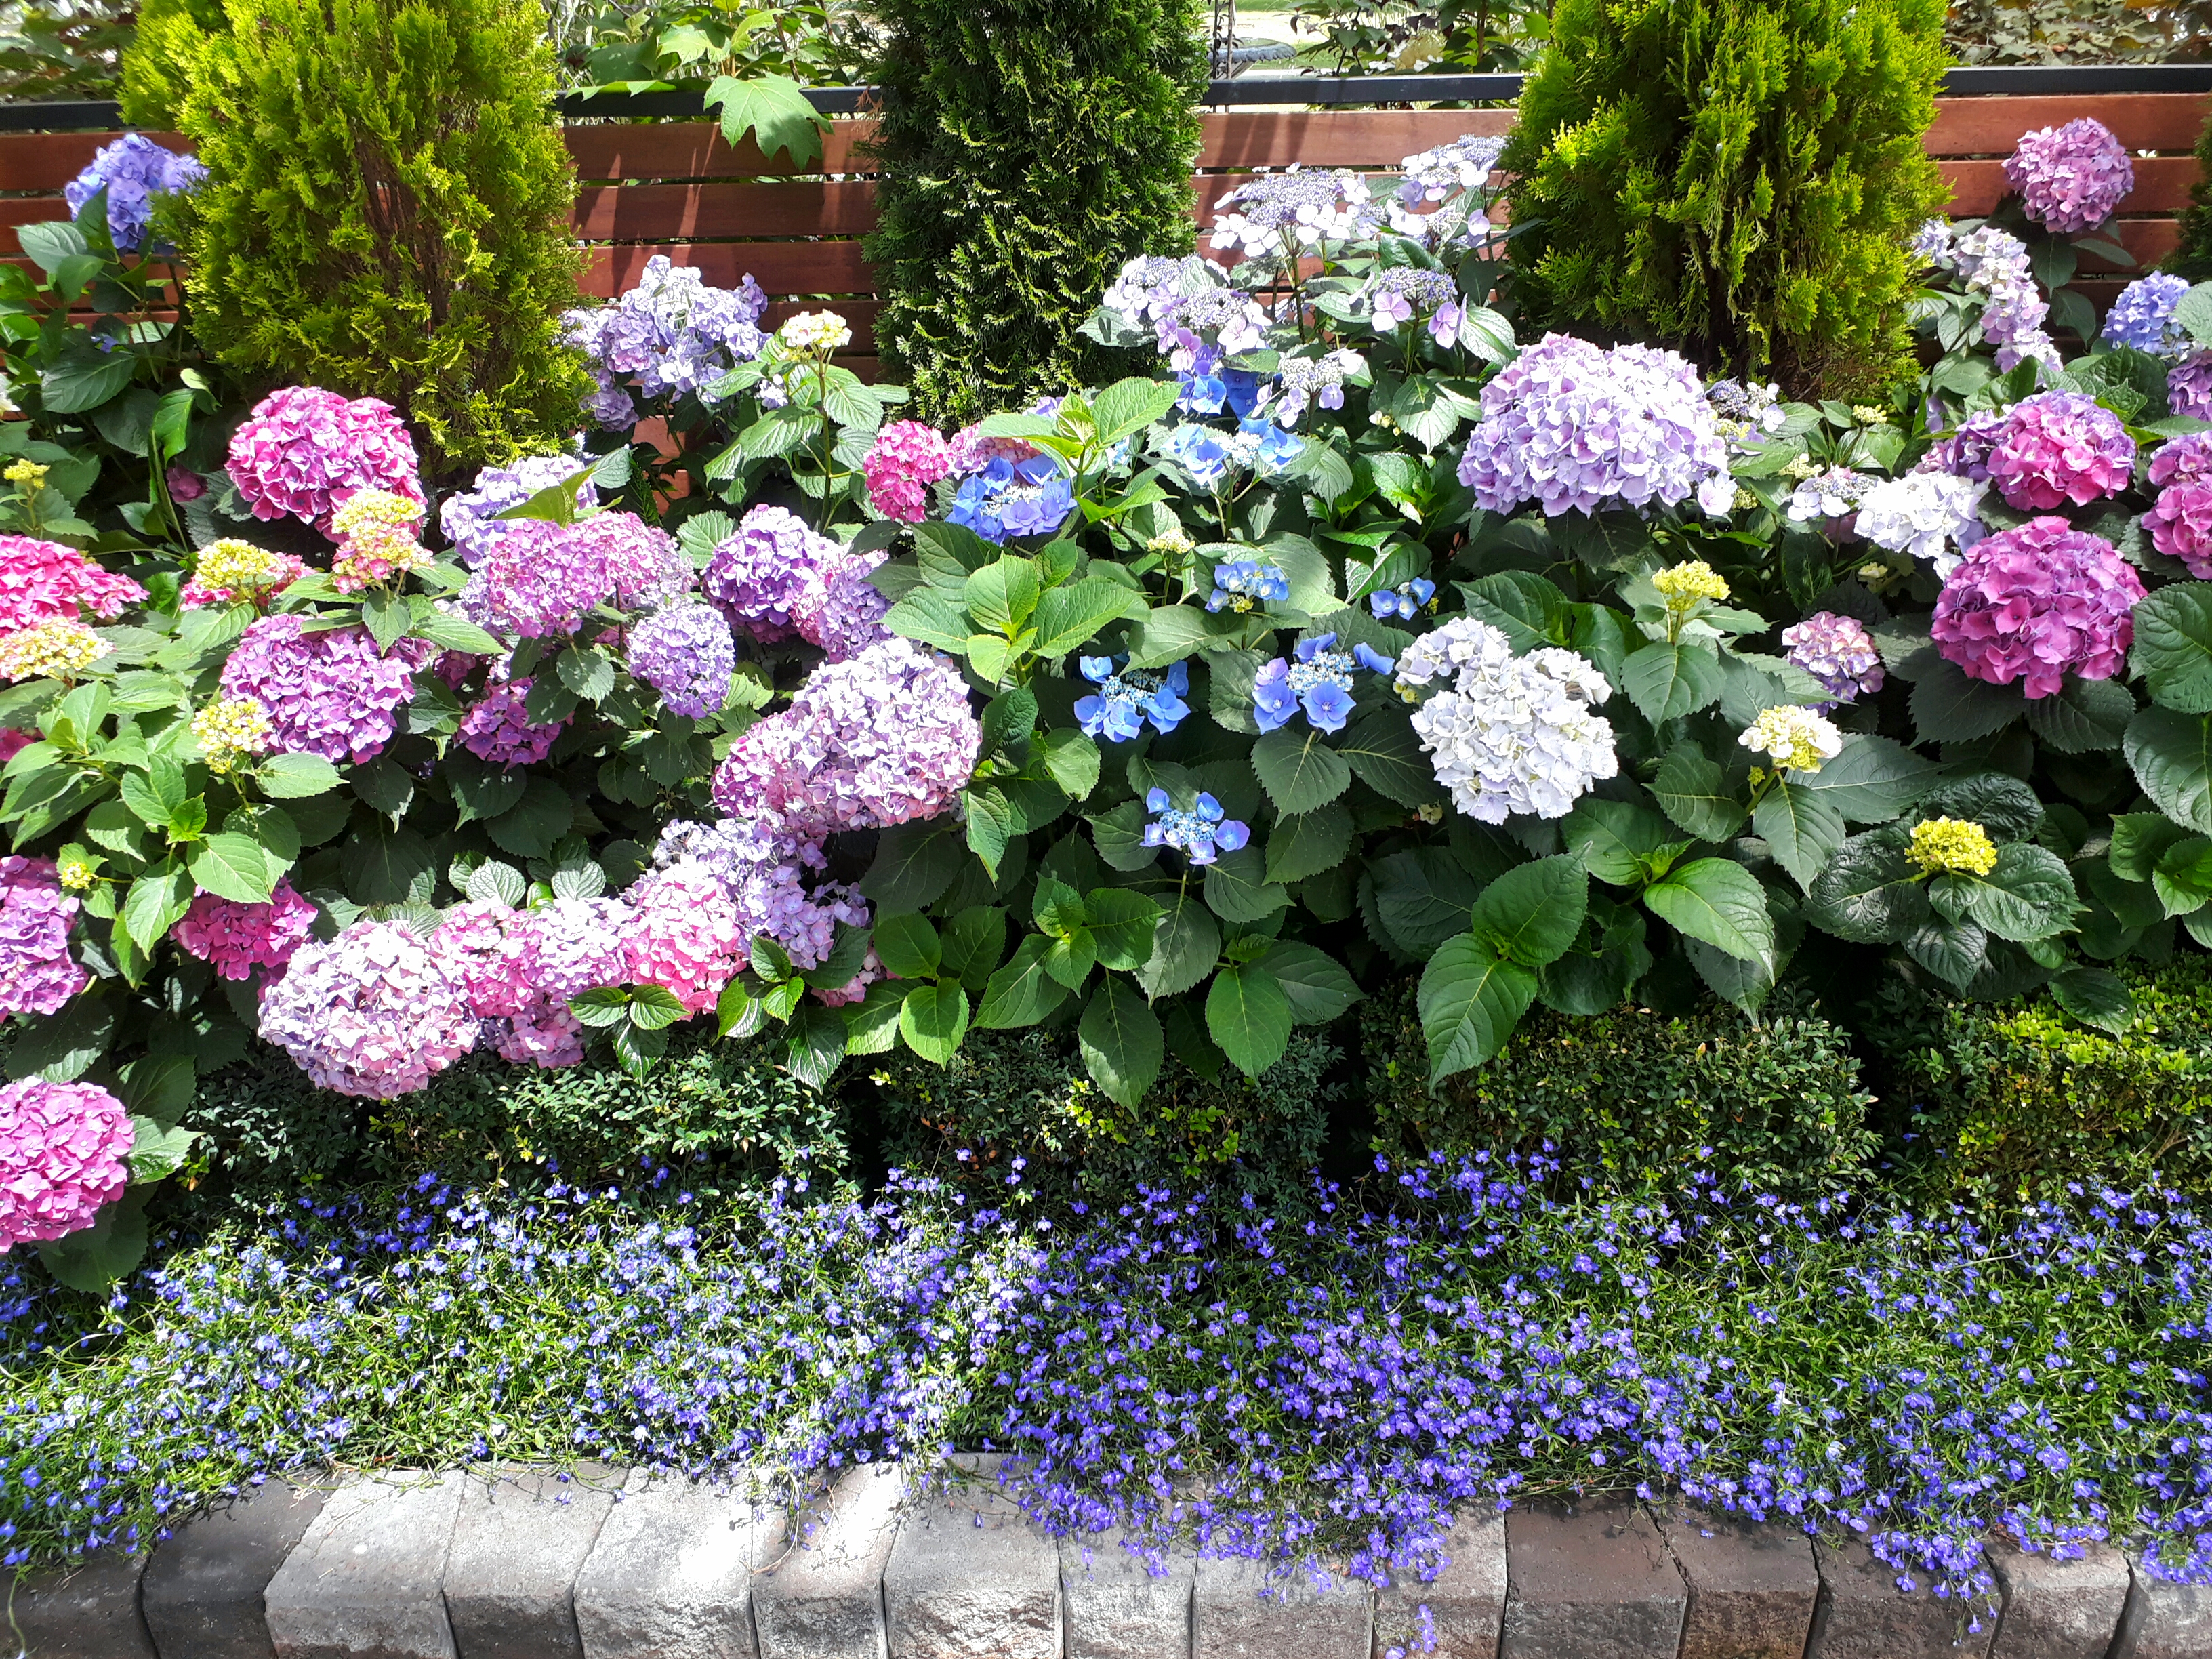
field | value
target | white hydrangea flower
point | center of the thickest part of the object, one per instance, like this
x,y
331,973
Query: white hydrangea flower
x,y
1462,642
1930,515
1512,734
1797,739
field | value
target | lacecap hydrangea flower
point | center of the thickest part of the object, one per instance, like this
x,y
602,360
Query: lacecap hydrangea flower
x,y
2060,446
1405,601
685,652
760,574
535,582
235,939
38,975
133,170
1304,382
1288,212
1834,492
1201,833
373,1013
1929,515
1511,734
496,727
1796,739
303,451
1576,427
1149,286
669,335
1127,698
906,458
1839,652
2180,520
1242,585
683,934
2142,316
2036,604
230,570
644,565
63,1152
330,692
44,581
2070,179
470,518
1314,678
1007,499
59,649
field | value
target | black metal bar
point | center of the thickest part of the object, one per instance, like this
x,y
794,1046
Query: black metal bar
x,y
2079,79
1364,89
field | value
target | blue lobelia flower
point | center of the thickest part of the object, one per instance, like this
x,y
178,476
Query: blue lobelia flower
x,y
1125,699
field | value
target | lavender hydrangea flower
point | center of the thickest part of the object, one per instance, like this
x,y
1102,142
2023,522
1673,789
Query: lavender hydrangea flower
x,y
1831,493
669,335
2036,604
1149,286
535,582
645,566
37,976
764,876
2060,446
1399,293
1839,652
1303,382
1315,678
1965,452
1282,213
760,574
843,610
2143,316
1201,834
2189,386
686,652
373,1013
1929,515
470,518
1007,499
2070,179
574,946
1995,264
330,692
133,170
1127,698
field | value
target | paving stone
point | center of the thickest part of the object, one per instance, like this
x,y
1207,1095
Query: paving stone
x,y
970,1577
518,1544
671,1577
1863,1615
89,1611
1239,1613
202,1589
2164,1620
363,1583
1466,1600
821,1595
1589,1581
1752,1589
1113,1607
2058,1609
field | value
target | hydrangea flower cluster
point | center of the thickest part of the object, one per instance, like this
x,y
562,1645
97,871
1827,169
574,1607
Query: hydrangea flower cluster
x,y
2060,446
1242,585
1201,834
1686,586
831,762
2070,179
2189,386
2180,520
1511,734
1796,739
535,582
685,652
573,945
1397,294
230,731
329,693
58,649
841,610
1127,698
1310,382
1148,286
1995,264
304,451
2036,604
1282,213
1211,457
1314,678
906,458
2142,316
1965,452
763,874
497,728
1405,601
37,973
760,575
44,581
644,564
1929,515
63,1152
133,170
376,533
484,948
683,934
1839,652
230,570
1014,498
1466,163
12,741
1949,845
1834,492
1577,428
669,335
235,939
1742,411
373,1013
470,518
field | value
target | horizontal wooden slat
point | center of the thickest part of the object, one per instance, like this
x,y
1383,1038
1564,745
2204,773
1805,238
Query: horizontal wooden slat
x,y
47,161
683,213
2149,239
2162,185
1991,126
1337,138
695,149
782,268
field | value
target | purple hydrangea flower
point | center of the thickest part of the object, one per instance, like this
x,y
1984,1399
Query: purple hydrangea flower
x,y
470,518
2142,316
38,975
1127,698
841,608
644,564
1201,834
669,335
1007,499
760,575
1964,452
1315,679
1246,585
497,729
2060,446
1839,652
373,1013
685,652
2180,521
2070,179
2036,604
535,582
573,945
2189,386
330,692
133,170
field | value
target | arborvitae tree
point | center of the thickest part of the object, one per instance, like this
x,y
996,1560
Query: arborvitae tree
x,y
387,212
1734,178
2193,259
157,68
1028,148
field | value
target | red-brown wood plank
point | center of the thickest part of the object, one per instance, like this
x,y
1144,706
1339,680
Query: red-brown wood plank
x,y
685,213
782,268
2162,185
695,150
2149,239
47,161
1337,138
2140,120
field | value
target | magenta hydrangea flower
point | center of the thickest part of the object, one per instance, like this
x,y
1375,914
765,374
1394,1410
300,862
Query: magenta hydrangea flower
x,y
304,451
683,934
2180,521
1965,452
685,652
330,692
2060,446
484,948
908,458
38,975
373,1013
535,582
236,938
2189,386
2070,179
762,571
470,518
12,741
496,728
843,610
644,565
2036,604
575,945
873,741
1839,652
63,1152
40,582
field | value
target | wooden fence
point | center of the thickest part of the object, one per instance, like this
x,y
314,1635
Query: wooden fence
x,y
676,188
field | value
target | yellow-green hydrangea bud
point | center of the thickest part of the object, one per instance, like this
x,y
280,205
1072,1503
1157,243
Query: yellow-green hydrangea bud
x,y
815,331
60,649
230,730
237,566
1952,846
1798,739
1172,543
1800,469
1683,584
26,473
74,874
1867,415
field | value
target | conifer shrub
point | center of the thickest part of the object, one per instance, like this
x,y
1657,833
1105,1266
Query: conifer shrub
x,y
157,69
386,213
1734,178
2193,259
1026,150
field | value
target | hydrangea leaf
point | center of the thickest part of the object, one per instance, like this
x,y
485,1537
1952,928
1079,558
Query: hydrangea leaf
x,y
1869,892
1307,843
872,1023
1692,790
1385,753
1120,1040
1954,951
533,825
915,863
2172,755
1531,914
2173,646
1186,946
2087,716
932,1019
1422,896
2183,877
1123,925
94,1257
1301,772
1613,838
1871,780
1720,903
294,777
63,1049
1120,837
1471,999
2095,997
908,946
1021,993
1072,761
2028,895
1666,682
1318,986
1802,830
1236,888
972,943
1248,1014
1949,707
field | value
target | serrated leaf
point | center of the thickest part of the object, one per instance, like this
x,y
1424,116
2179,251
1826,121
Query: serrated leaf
x,y
1122,926
494,883
296,777
1021,993
1317,986
1693,791
1385,753
1186,946
1236,888
1802,831
1666,682
1720,903
1532,914
2171,753
1470,1001
1309,843
1299,770
1120,1040
2086,717
932,1019
2095,998
234,867
586,671
1249,1017
908,946
1869,892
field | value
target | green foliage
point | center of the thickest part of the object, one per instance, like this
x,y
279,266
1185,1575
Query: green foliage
x,y
1026,151
1734,178
157,66
387,213
61,48
2193,259
1633,1099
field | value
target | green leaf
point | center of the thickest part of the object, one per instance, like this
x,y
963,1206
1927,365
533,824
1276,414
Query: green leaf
x,y
2029,895
1070,956
1119,836
157,901
534,825
1613,837
586,671
94,1257
1308,843
1186,945
1720,903
2095,998
1122,926
1694,792
83,377
1002,595
1316,985
234,867
915,863
1071,760
2086,717
1066,616
1248,1014
295,777
654,1007
814,1043
1021,993
2172,754
379,864
932,1019
602,1007
1532,914
2183,876
1423,896
1120,1040
972,944
776,110
1470,1001
1870,781
2173,646
387,616
1236,888
908,946
156,794
63,1049
1385,753
1666,682
494,883
159,1150
1949,708
872,1023
1129,406
1300,772
1953,950
637,1048
1869,893
384,784
1802,831
990,825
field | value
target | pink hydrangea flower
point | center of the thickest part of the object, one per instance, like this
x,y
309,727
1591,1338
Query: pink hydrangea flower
x,y
12,741
303,451
762,571
880,738
373,1013
2060,446
484,948
2180,525
908,458
63,1152
331,693
644,565
42,581
38,975
1839,652
575,945
841,610
2036,604
2071,178
542,1033
237,937
535,582
683,934
496,729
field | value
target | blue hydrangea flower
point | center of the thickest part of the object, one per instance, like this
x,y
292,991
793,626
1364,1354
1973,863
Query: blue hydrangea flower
x,y
1207,387
1125,699
1246,584
2143,317
1014,498
131,170
1201,452
1405,600
1273,448
1201,834
1316,678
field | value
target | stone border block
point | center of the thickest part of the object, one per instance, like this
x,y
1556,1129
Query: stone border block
x,y
2058,1609
2163,1620
1753,1589
970,1577
1239,1613
88,1612
821,1595
1592,1582
1864,1614
202,1589
670,1575
519,1542
364,1582
1113,1607
1466,1600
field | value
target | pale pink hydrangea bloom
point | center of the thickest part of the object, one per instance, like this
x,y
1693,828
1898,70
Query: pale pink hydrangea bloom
x,y
373,1013
575,945
683,934
63,1152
